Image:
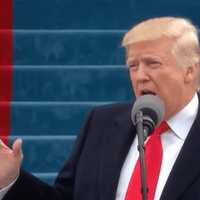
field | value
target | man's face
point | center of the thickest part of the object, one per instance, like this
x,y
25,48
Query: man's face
x,y
154,70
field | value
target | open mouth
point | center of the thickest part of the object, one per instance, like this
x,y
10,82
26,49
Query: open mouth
x,y
145,92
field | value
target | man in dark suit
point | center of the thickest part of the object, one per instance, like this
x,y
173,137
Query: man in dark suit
x,y
163,60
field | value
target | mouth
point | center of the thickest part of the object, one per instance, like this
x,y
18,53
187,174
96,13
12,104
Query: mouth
x,y
145,92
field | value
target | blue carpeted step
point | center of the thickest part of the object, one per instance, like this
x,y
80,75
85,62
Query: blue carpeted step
x,y
45,153
68,47
73,14
71,83
49,118
47,177
96,14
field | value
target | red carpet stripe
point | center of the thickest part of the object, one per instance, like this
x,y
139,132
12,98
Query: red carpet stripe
x,y
6,61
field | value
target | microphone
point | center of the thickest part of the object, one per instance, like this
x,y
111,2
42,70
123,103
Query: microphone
x,y
147,113
152,109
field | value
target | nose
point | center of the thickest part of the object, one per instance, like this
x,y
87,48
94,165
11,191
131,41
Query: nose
x,y
141,74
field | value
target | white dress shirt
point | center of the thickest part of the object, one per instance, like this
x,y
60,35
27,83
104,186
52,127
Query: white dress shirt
x,y
171,140
4,190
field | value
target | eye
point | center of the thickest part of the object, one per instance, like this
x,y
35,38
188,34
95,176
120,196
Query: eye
x,y
153,63
133,66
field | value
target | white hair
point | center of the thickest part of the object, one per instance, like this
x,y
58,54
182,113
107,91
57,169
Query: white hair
x,y
186,46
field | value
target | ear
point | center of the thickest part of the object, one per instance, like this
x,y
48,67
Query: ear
x,y
191,73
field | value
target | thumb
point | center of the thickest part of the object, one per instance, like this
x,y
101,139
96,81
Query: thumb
x,y
17,148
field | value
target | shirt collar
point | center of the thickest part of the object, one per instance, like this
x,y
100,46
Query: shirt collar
x,y
182,121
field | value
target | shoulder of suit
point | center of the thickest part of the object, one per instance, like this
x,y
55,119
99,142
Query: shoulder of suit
x,y
113,110
114,106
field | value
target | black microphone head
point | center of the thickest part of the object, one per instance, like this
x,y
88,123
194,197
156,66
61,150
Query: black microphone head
x,y
152,108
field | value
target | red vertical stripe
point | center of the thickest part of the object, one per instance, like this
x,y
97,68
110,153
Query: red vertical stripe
x,y
6,61
6,14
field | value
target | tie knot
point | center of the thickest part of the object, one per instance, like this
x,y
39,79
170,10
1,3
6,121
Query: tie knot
x,y
161,128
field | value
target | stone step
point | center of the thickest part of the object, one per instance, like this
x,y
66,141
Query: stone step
x,y
45,153
67,47
46,177
71,83
96,14
48,118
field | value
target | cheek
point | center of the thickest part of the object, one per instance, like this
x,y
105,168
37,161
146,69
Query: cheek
x,y
133,83
167,87
132,79
169,90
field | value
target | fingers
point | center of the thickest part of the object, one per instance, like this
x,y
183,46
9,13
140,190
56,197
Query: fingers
x,y
3,146
17,148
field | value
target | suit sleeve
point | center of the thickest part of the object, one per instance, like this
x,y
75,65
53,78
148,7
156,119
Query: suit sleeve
x,y
28,187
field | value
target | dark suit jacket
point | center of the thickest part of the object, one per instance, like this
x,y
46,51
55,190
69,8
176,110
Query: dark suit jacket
x,y
93,170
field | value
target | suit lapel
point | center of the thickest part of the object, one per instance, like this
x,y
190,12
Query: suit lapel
x,y
116,146
117,143
187,165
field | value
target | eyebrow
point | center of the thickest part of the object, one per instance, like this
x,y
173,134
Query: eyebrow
x,y
145,57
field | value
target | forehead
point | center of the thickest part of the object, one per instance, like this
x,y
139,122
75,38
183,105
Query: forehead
x,y
155,49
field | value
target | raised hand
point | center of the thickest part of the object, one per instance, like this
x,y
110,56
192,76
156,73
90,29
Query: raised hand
x,y
10,162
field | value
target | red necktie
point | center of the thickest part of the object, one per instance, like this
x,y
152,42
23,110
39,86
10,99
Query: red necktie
x,y
153,156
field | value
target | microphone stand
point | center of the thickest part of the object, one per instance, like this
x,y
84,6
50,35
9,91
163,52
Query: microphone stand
x,y
141,149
